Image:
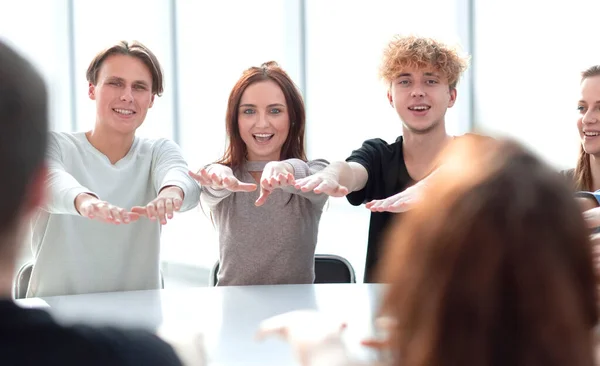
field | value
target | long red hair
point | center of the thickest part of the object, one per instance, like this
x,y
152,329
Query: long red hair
x,y
293,147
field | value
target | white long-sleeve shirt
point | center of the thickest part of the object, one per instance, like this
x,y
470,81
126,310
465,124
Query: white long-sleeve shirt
x,y
74,254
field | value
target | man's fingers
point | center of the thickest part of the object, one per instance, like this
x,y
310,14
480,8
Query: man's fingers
x,y
115,213
341,191
169,208
374,205
308,185
151,211
139,210
161,211
103,211
324,187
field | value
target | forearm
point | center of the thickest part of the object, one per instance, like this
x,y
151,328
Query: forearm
x,y
81,199
212,196
179,180
301,169
64,190
172,190
343,173
170,169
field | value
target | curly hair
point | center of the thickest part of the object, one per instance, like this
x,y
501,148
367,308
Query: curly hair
x,y
405,52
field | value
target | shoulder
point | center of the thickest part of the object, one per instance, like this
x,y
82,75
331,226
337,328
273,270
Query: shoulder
x,y
376,147
568,173
160,144
66,138
381,144
61,144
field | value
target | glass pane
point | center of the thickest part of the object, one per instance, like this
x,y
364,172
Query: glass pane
x,y
97,27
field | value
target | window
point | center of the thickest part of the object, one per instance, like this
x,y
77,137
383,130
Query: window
x,y
47,48
527,73
98,27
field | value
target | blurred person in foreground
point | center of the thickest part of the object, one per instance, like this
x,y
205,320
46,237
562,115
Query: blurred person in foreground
x,y
493,267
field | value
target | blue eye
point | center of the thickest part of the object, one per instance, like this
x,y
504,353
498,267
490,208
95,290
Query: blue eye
x,y
403,82
248,111
275,110
580,108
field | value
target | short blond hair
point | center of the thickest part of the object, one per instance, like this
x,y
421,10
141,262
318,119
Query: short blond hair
x,y
405,52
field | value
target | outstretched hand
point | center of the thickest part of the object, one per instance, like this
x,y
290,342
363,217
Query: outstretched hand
x,y
399,202
219,176
168,201
93,208
322,183
276,174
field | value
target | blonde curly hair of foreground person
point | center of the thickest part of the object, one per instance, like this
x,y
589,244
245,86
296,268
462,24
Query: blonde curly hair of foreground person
x,y
412,52
493,267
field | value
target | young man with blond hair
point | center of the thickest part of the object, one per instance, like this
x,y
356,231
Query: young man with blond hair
x,y
421,75
110,190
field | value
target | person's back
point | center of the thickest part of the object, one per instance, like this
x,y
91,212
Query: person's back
x,y
494,267
31,336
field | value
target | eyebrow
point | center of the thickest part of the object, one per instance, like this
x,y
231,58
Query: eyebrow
x,y
584,102
269,106
404,74
116,78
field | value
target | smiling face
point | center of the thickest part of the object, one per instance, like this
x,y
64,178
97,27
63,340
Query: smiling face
x,y
263,120
123,94
588,122
421,98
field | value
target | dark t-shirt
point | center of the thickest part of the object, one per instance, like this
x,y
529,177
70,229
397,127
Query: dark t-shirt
x,y
387,176
32,337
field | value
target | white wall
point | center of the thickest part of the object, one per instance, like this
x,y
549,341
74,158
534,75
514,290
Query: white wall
x,y
528,57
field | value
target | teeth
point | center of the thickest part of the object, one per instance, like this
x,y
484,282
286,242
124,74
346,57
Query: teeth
x,y
263,135
123,111
419,108
592,133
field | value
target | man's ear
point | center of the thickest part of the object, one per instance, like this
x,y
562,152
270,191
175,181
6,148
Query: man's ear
x,y
92,91
37,190
152,101
452,97
389,96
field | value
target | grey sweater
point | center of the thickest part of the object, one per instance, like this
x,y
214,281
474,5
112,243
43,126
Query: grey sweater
x,y
271,244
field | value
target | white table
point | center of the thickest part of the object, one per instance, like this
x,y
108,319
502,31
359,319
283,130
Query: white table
x,y
228,316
